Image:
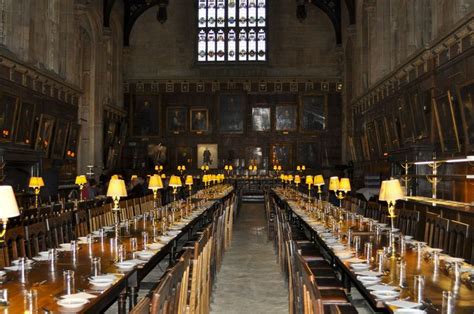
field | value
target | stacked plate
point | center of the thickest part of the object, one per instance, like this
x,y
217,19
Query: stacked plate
x,y
360,266
72,303
369,280
155,246
146,255
102,282
386,294
125,265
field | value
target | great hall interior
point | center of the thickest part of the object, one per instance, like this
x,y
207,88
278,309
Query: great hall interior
x,y
237,156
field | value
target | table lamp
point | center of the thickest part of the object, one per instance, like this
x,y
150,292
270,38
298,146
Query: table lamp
x,y
344,187
391,191
175,183
282,178
181,169
297,180
205,168
9,207
189,182
133,177
155,184
81,180
36,183
116,190
319,181
309,181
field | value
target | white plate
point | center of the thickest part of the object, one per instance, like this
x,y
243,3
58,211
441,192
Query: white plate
x,y
360,266
101,282
71,303
165,239
382,288
368,280
369,273
2,273
338,247
174,232
27,262
125,265
385,295
433,249
155,246
450,259
145,254
409,311
43,253
404,304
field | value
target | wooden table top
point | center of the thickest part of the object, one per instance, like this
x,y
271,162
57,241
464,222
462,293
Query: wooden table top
x,y
416,264
49,282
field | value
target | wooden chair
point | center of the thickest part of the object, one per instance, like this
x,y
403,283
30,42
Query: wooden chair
x,y
430,219
142,307
440,236
44,213
100,217
13,246
309,300
408,221
60,229
36,239
81,222
373,210
457,238
200,287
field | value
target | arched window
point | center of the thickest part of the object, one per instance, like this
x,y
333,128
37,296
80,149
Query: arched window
x,y
232,31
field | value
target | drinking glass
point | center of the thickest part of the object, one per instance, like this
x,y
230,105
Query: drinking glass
x,y
68,277
133,244
419,285
120,253
96,266
447,306
4,296
356,243
145,239
368,251
402,274
30,301
380,260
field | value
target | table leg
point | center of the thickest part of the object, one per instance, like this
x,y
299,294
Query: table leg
x,y
122,302
132,297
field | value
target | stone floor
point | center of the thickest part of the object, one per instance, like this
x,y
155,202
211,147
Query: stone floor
x,y
250,280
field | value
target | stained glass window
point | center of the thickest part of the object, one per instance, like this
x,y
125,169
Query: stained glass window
x,y
232,30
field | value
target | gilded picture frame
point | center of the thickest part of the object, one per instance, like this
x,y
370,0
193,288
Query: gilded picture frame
x,y
286,118
60,139
465,93
25,124
176,119
8,111
199,120
313,113
45,132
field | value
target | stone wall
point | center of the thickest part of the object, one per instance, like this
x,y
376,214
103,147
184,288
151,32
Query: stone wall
x,y
167,51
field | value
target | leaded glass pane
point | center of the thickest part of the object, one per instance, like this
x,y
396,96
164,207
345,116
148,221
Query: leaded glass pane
x,y
231,30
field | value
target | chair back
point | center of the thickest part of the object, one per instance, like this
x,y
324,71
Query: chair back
x,y
13,246
60,229
430,219
440,237
81,222
457,238
35,239
408,221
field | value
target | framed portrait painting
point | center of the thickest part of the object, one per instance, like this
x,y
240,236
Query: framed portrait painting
x,y
176,119
382,136
406,121
72,143
281,154
254,156
313,113
309,154
25,124
199,118
231,114
372,141
465,95
446,123
285,118
207,155
261,119
184,156
418,109
8,108
146,116
45,132
60,138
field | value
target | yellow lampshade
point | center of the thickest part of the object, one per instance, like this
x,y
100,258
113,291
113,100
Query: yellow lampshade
x,y
226,167
231,168
333,183
309,180
163,176
318,180
81,180
303,167
282,177
189,180
391,190
9,205
116,188
115,176
155,182
279,168
298,168
274,167
133,177
297,179
36,182
175,182
344,185
290,177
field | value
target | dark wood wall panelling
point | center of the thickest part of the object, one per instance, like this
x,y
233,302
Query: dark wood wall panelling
x,y
410,130
324,146
37,113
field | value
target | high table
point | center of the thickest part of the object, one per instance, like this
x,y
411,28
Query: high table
x,y
435,282
49,282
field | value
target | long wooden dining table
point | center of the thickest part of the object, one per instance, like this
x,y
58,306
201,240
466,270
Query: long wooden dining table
x,y
436,279
48,281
